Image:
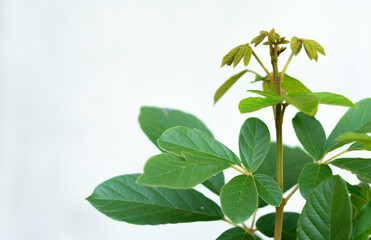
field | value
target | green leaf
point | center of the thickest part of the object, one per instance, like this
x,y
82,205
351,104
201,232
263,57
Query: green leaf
x,y
254,142
272,36
268,189
257,40
352,120
171,171
239,198
258,78
266,223
317,47
294,160
155,121
354,137
327,213
215,183
235,233
357,146
365,128
253,104
304,102
334,99
311,176
239,56
310,134
227,85
292,85
362,223
265,94
178,140
294,40
229,58
310,50
247,56
120,198
359,199
359,166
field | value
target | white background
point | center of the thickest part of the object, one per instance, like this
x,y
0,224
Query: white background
x,y
73,75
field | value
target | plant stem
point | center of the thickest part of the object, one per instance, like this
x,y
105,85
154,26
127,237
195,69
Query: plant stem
x,y
289,60
291,193
337,155
262,65
226,220
278,123
253,219
251,71
236,168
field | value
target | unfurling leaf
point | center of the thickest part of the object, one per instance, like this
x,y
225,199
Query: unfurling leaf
x,y
247,56
272,36
293,43
317,47
239,198
227,85
310,50
238,56
257,40
229,58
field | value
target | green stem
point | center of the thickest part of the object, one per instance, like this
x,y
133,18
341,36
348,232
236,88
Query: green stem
x,y
337,155
291,193
292,55
261,64
251,71
278,123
